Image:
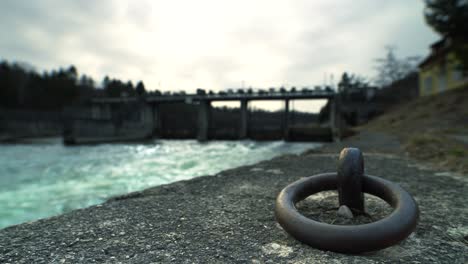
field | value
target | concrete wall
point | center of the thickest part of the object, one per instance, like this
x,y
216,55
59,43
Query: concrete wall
x,y
97,131
110,123
24,123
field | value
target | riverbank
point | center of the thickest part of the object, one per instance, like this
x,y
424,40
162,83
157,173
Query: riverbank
x,y
228,217
432,129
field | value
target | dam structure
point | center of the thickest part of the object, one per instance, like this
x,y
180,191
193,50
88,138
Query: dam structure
x,y
150,115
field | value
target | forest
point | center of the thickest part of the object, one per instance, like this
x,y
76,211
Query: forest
x,y
23,88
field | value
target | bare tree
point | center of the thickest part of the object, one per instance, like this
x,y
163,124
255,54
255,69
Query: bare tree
x,y
391,68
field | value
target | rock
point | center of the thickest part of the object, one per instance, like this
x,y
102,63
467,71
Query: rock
x,y
345,212
275,171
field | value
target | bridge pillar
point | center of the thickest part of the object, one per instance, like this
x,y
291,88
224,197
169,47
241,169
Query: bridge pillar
x,y
203,120
333,118
101,111
146,114
146,119
338,117
106,112
157,122
286,120
244,119
96,111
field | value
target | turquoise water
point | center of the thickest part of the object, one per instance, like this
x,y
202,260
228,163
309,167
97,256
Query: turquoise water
x,y
45,179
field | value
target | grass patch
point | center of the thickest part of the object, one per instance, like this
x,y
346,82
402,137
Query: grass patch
x,y
438,149
458,152
426,127
425,146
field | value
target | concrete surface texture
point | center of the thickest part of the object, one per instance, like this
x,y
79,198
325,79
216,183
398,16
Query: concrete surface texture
x,y
229,218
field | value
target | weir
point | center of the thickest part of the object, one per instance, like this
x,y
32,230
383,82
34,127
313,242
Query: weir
x,y
150,109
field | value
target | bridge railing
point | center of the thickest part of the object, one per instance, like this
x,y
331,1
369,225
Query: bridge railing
x,y
220,96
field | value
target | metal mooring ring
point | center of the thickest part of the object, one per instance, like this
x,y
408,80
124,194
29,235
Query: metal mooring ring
x,y
347,238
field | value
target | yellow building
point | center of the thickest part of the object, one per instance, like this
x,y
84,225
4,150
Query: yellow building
x,y
439,72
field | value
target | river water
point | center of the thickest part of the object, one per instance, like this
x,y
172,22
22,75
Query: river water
x,y
45,178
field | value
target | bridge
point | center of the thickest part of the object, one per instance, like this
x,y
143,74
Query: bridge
x,y
150,113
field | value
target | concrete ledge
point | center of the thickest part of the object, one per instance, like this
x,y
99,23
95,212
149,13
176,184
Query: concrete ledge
x,y
229,218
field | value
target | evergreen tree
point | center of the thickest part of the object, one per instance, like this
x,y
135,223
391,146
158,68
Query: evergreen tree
x,y
105,82
352,81
449,18
140,88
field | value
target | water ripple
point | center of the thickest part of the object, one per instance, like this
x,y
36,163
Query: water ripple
x,y
42,180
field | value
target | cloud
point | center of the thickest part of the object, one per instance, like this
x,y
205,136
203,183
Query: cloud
x,y
213,44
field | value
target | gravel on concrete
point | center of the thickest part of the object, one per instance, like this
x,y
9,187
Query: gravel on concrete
x,y
229,218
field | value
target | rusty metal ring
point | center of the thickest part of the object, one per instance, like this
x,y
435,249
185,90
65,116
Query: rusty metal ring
x,y
347,238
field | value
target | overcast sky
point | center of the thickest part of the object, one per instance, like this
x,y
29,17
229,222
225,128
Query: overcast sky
x,y
182,45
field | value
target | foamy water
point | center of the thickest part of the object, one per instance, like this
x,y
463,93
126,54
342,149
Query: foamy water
x,y
42,180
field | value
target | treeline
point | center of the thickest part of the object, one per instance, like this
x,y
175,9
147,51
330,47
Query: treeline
x,y
21,87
